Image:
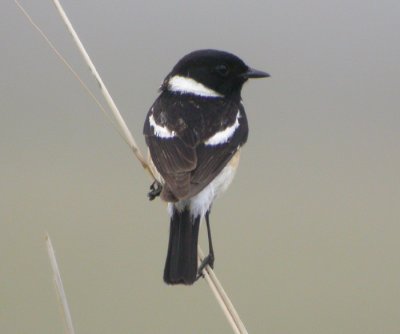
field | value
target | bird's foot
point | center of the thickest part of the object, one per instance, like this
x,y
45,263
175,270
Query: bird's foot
x,y
155,190
207,261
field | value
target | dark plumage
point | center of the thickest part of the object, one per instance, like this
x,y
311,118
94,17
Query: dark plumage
x,y
193,131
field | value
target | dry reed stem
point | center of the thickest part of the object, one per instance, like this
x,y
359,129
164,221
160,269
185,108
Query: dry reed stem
x,y
117,116
209,275
207,271
70,68
59,287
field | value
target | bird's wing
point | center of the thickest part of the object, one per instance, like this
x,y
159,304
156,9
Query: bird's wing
x,y
182,151
175,161
211,160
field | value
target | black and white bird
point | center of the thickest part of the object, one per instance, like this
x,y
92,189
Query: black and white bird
x,y
194,132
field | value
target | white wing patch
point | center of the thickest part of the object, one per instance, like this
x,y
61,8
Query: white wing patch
x,y
186,85
160,131
223,136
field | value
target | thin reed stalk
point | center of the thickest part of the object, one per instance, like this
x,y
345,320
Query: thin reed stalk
x,y
62,297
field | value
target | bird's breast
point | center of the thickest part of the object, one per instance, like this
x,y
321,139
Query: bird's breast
x,y
201,203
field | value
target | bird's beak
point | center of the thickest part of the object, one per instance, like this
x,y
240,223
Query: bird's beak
x,y
253,73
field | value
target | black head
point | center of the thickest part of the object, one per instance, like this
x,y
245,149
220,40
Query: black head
x,y
219,71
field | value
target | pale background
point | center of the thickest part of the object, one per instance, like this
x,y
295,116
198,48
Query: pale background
x,y
307,238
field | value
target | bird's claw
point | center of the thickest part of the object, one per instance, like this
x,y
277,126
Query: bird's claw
x,y
155,190
207,261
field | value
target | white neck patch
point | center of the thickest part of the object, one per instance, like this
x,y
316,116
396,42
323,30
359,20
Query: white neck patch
x,y
186,85
223,136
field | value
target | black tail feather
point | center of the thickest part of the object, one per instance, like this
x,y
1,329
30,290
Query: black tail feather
x,y
181,263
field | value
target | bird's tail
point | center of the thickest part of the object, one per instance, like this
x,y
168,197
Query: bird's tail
x,y
181,263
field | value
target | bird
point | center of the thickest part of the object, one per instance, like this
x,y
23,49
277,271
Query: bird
x,y
194,132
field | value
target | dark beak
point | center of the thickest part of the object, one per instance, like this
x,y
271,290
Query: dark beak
x,y
253,73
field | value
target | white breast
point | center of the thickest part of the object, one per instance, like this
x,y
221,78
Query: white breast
x,y
201,203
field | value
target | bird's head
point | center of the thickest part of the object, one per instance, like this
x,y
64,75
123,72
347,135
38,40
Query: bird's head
x,y
210,73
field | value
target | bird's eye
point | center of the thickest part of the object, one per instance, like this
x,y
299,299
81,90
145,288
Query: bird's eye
x,y
222,70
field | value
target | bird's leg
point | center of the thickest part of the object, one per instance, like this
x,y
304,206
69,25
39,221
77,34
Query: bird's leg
x,y
209,259
155,190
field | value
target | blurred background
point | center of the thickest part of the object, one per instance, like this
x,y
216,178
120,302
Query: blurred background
x,y
306,238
